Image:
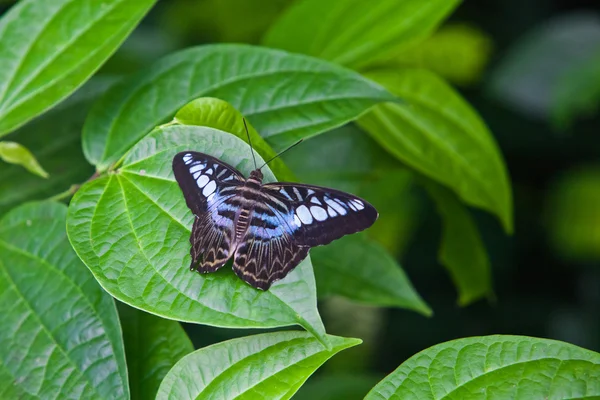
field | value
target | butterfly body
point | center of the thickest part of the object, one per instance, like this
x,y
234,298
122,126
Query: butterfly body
x,y
267,229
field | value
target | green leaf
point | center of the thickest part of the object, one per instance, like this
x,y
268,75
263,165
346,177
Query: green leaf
x,y
285,96
218,114
357,32
60,335
55,46
495,367
266,366
132,229
152,346
572,214
60,153
14,153
360,269
458,53
462,251
438,134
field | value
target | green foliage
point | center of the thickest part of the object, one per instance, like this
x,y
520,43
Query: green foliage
x,y
462,250
55,46
267,366
499,367
285,96
132,227
152,345
438,134
15,153
340,269
127,221
218,114
62,340
357,33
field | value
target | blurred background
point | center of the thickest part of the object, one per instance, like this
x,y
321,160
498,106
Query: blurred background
x,y
532,71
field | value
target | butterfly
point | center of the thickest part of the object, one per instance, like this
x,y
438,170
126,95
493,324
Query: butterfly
x,y
267,229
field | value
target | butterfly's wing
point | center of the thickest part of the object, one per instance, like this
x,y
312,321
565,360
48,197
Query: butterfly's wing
x,y
291,218
208,185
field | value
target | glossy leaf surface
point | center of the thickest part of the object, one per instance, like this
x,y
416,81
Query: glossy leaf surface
x,y
438,134
267,366
60,335
284,96
360,269
496,367
52,47
132,229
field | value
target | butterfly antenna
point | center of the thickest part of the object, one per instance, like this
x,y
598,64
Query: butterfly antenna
x,y
282,151
250,143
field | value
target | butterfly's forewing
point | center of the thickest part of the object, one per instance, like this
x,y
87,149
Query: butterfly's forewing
x,y
207,185
320,215
289,219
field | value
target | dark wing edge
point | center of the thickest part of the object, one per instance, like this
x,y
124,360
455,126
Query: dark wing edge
x,y
207,183
322,215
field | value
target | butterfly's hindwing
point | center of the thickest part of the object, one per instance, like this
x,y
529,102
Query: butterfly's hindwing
x,y
208,186
268,229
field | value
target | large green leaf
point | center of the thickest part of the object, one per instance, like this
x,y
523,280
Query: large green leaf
x,y
60,335
360,269
438,134
219,114
356,32
60,153
267,366
132,226
52,47
285,96
152,346
495,367
462,251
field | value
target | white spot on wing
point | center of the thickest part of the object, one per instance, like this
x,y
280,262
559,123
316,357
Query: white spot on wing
x,y
297,193
230,177
202,181
304,215
196,168
359,204
297,221
209,189
209,171
331,212
336,206
209,198
187,158
319,213
197,174
283,192
310,191
315,201
352,205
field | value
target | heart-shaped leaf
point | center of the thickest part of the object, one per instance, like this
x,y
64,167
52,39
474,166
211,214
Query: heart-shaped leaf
x,y
360,269
152,345
52,47
285,96
495,367
357,32
60,335
219,114
267,366
132,227
438,134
